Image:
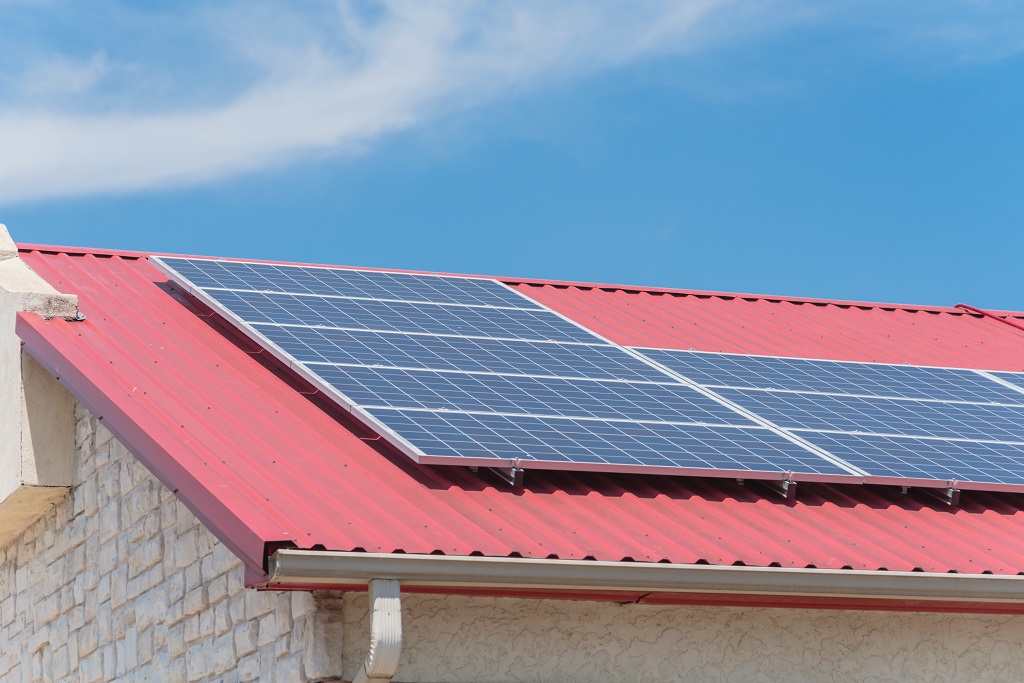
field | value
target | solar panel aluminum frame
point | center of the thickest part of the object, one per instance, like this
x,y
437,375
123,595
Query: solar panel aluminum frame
x,y
418,456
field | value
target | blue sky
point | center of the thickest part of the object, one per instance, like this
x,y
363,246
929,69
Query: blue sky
x,y
855,149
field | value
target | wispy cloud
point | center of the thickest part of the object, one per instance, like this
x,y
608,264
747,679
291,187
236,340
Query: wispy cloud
x,y
265,86
60,75
327,81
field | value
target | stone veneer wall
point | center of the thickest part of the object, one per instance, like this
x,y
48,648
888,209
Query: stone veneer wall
x,y
120,582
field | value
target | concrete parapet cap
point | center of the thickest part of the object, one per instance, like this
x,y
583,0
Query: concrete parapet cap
x,y
36,294
8,249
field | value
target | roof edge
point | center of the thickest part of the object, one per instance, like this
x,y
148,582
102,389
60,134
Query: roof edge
x,y
298,568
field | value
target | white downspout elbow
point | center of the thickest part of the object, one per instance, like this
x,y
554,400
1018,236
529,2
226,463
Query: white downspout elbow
x,y
385,632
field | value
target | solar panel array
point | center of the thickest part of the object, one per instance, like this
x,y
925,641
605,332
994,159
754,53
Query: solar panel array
x,y
468,371
459,370
891,421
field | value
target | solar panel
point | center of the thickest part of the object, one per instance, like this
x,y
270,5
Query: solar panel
x,y
399,316
548,396
366,284
889,421
1013,378
602,444
908,417
458,370
389,349
899,457
839,377
411,354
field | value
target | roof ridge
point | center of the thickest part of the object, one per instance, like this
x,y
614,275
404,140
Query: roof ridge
x,y
540,282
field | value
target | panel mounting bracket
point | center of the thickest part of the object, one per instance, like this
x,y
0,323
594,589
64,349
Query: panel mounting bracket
x,y
512,475
950,495
785,487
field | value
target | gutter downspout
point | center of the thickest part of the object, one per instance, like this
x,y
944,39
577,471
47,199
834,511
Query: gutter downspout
x,y
385,632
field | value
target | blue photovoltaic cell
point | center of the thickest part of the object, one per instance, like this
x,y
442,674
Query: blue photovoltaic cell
x,y
596,442
358,347
883,415
1014,378
941,460
263,277
388,387
399,316
797,374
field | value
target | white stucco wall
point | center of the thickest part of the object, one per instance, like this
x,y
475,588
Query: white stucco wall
x,y
120,582
464,639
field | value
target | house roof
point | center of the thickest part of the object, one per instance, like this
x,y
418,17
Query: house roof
x,y
265,462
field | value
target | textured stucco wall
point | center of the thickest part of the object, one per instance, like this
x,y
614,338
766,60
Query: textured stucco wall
x,y
458,639
120,582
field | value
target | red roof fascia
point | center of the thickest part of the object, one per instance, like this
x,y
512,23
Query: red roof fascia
x,y
262,463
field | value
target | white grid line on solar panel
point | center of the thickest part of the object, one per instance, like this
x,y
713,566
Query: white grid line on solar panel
x,y
519,394
918,458
600,442
829,376
422,287
438,352
526,324
882,415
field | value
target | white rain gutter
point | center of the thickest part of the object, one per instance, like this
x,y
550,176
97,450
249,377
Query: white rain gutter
x,y
313,568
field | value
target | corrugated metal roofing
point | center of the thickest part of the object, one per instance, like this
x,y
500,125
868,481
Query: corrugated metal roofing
x,y
263,463
837,330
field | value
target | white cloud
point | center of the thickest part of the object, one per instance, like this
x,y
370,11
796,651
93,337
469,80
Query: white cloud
x,y
319,78
325,86
60,75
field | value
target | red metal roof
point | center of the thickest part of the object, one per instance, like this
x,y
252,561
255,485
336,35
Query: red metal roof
x,y
263,462
837,330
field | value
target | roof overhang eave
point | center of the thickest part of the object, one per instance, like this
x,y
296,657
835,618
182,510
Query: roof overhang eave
x,y
321,569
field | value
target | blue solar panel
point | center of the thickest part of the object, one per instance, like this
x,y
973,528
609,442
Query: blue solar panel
x,y
1014,378
399,316
467,370
389,387
933,459
359,347
882,415
368,284
618,445
798,374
